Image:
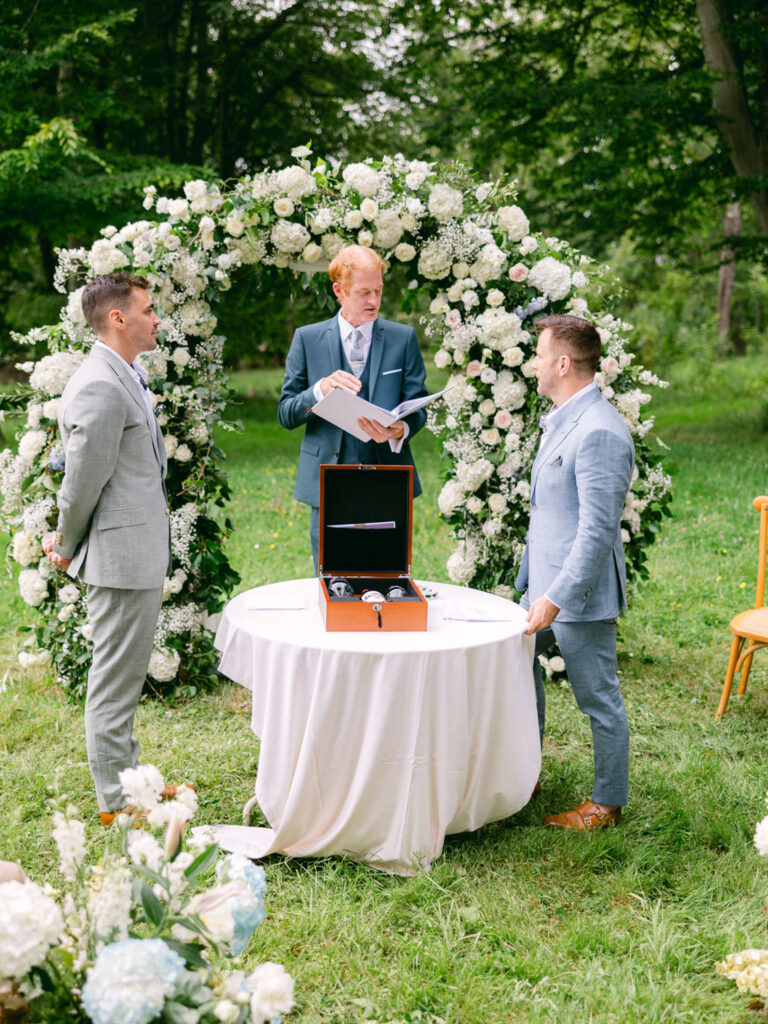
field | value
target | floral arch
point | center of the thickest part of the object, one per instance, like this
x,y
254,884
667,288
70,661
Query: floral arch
x,y
486,276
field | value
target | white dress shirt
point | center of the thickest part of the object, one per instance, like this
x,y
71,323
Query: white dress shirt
x,y
366,330
141,377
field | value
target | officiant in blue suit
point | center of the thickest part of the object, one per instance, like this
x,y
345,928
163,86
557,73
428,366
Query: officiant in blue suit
x,y
573,571
376,359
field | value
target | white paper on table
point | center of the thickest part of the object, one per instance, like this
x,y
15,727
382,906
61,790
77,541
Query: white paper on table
x,y
476,613
344,408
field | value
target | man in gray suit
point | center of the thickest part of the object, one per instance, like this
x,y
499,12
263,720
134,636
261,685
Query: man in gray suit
x,y
573,570
113,530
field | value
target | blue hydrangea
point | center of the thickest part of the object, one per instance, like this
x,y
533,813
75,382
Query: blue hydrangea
x,y
248,909
56,462
130,981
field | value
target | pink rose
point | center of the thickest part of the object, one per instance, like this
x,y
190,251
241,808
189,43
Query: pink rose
x,y
503,419
609,366
453,319
519,272
474,368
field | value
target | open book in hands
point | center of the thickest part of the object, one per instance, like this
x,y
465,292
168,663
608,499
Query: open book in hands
x,y
344,408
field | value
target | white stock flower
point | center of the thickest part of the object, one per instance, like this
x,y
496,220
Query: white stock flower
x,y
69,835
513,221
445,203
271,990
29,925
362,178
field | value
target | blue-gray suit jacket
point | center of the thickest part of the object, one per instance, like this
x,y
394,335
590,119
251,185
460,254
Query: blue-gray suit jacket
x,y
579,482
396,374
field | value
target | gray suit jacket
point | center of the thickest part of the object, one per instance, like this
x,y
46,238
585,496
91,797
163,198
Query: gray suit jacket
x,y
113,513
397,374
579,481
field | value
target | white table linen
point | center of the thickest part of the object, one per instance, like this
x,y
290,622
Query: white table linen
x,y
377,745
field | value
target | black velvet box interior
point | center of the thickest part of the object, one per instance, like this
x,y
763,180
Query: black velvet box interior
x,y
365,494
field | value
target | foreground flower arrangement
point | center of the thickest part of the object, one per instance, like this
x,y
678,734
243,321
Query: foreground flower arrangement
x,y
486,278
130,939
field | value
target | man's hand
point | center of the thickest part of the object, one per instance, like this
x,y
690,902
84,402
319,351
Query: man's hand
x,y
541,614
379,433
59,561
340,379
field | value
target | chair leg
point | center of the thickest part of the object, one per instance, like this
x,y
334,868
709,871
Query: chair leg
x,y
738,642
745,674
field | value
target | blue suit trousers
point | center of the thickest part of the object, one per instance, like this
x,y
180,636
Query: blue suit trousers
x,y
589,651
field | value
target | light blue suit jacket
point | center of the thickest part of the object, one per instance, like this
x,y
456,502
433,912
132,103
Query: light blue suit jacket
x,y
579,481
396,374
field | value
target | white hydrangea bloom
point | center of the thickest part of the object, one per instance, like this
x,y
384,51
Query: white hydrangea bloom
x,y
30,924
445,203
164,665
362,178
514,222
551,277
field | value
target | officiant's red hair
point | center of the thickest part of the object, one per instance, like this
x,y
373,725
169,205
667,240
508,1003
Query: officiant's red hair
x,y
352,258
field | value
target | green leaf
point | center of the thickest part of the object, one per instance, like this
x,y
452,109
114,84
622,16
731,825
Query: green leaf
x,y
202,863
190,954
153,908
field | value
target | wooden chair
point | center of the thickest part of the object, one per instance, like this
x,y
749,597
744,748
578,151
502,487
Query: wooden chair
x,y
751,625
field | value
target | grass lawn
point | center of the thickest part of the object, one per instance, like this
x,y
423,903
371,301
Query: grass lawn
x,y
515,922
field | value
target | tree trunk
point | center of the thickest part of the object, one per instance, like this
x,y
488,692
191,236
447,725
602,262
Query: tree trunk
x,y
727,275
747,149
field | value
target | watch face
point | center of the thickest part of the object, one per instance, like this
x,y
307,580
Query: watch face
x,y
373,595
396,593
340,587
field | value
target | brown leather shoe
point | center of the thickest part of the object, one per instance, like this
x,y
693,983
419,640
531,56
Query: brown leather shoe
x,y
536,788
585,817
169,792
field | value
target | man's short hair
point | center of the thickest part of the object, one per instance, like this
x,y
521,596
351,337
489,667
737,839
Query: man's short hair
x,y
352,258
110,291
577,337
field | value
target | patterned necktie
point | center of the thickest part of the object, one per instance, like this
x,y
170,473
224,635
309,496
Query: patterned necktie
x,y
356,356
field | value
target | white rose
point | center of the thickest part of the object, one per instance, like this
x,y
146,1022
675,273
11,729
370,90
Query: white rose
x,y
497,503
528,245
494,297
353,219
475,505
181,356
460,270
512,356
369,208
312,253
179,208
234,224
487,407
442,359
283,207
183,453
491,437
70,593
405,252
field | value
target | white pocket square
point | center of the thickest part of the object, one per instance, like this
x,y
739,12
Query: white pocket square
x,y
386,373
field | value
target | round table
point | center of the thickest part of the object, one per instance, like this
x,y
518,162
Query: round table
x,y
377,745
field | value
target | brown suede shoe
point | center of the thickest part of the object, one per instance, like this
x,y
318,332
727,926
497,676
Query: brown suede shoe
x,y
107,817
585,817
169,792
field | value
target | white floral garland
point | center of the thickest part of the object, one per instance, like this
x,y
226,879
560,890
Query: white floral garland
x,y
467,245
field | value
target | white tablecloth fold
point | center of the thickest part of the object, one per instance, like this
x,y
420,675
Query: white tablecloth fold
x,y
378,745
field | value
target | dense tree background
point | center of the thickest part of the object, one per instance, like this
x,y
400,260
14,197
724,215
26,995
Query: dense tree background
x,y
637,129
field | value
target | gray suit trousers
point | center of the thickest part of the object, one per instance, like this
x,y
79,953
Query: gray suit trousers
x,y
123,623
589,652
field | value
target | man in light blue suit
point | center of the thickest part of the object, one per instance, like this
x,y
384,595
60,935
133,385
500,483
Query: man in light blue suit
x,y
573,570
377,359
113,529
